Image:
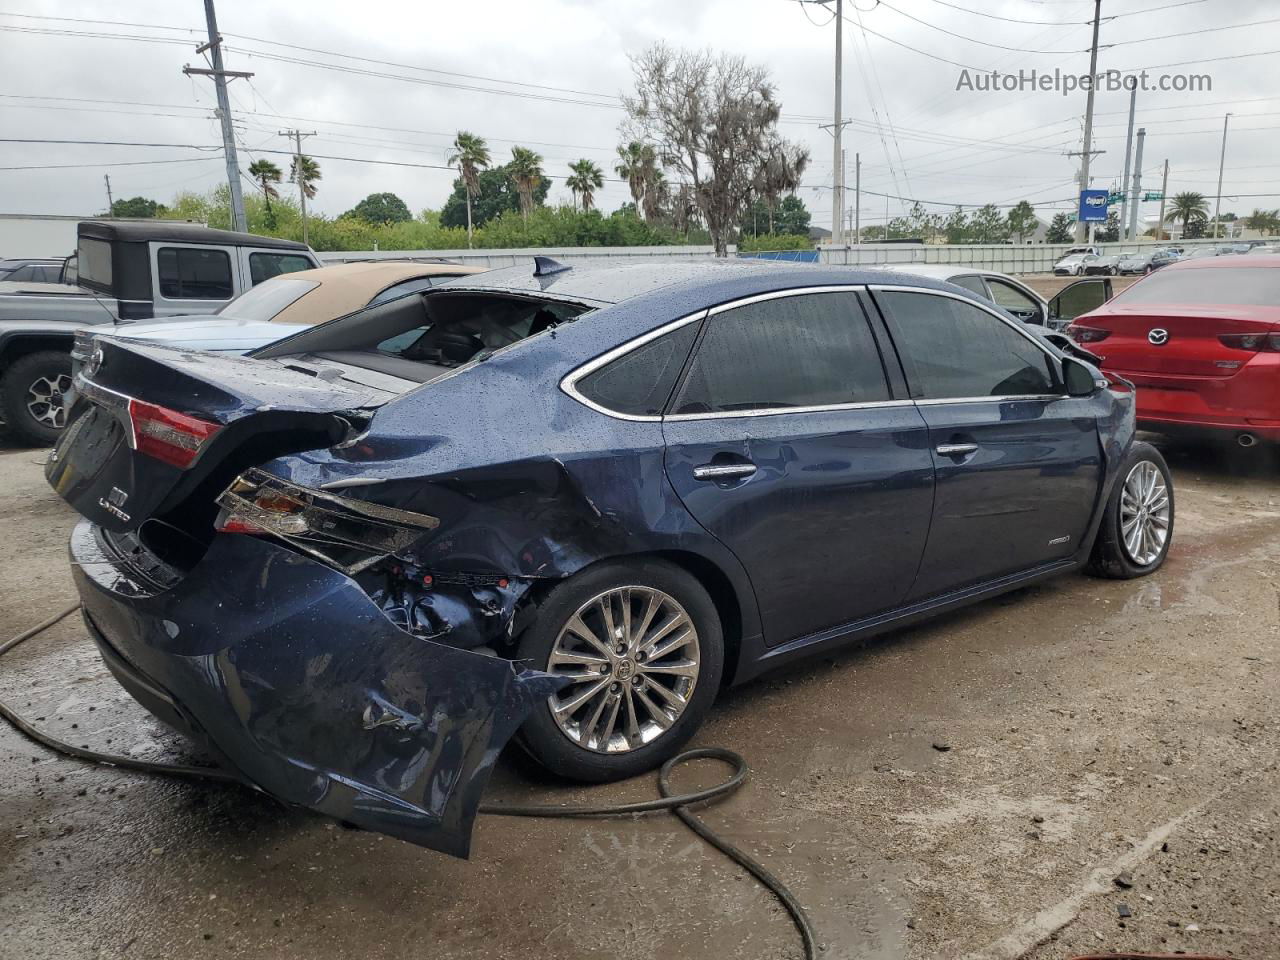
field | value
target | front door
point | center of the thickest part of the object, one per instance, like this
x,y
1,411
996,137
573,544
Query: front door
x,y
1018,462
785,442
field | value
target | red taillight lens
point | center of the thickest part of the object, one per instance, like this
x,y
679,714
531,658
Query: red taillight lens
x,y
1086,334
167,435
1253,342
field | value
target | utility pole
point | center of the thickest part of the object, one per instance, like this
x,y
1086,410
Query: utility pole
x,y
837,166
1164,192
1124,183
110,203
1137,184
214,46
857,198
1222,160
297,136
1088,114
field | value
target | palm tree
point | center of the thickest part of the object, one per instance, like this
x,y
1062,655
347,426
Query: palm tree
x,y
1187,207
266,174
470,154
526,174
305,172
638,165
1264,221
585,180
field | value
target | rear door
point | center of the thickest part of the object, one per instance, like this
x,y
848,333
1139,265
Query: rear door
x,y
193,278
787,442
1018,463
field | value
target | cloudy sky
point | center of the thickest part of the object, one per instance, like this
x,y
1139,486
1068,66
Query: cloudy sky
x,y
392,80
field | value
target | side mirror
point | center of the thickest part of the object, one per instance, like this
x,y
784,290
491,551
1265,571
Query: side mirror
x,y
1080,380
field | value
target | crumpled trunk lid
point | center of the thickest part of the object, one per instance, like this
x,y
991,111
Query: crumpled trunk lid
x,y
252,410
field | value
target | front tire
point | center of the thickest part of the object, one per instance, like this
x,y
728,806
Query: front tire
x,y
31,393
642,643
1137,526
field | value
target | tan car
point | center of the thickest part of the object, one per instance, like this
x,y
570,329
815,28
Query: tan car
x,y
287,303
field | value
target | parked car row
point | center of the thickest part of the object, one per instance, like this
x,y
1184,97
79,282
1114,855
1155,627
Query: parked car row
x,y
1091,263
122,271
550,502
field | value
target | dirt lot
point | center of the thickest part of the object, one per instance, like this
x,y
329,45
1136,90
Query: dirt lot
x,y
1046,284
1092,729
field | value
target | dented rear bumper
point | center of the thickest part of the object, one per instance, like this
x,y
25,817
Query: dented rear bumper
x,y
297,681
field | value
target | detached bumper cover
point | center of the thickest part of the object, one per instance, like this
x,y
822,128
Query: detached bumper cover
x,y
296,680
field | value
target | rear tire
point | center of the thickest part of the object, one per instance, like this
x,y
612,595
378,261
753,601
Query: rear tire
x,y
613,733
1137,524
31,395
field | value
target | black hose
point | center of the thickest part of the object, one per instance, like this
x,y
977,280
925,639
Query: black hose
x,y
677,803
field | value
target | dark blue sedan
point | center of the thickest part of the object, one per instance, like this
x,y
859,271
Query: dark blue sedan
x,y
570,505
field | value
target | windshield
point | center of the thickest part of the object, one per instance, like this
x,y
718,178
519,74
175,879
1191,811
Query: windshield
x,y
1244,286
263,302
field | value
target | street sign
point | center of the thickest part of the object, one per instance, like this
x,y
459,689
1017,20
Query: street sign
x,y
1153,196
1114,198
1093,206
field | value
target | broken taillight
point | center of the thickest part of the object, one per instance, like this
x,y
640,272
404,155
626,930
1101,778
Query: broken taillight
x,y
345,533
167,435
1086,334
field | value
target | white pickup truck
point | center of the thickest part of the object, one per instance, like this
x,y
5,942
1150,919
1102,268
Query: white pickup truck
x,y
122,271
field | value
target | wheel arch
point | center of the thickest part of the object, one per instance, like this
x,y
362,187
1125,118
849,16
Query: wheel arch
x,y
18,345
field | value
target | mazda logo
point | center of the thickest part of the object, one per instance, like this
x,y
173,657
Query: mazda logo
x,y
1159,336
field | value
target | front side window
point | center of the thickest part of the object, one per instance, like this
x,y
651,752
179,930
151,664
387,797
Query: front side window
x,y
1021,304
264,266
956,350
189,273
639,383
796,351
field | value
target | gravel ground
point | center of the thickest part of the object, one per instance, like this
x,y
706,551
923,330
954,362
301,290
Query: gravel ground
x,y
1106,744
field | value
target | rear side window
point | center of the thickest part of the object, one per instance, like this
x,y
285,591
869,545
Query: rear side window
x,y
187,273
639,383
953,349
264,266
801,351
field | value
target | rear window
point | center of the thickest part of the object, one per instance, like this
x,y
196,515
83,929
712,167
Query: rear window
x,y
265,301
94,262
188,273
1243,286
264,266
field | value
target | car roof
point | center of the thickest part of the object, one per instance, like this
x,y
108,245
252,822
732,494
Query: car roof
x,y
346,287
1261,261
698,282
938,271
137,231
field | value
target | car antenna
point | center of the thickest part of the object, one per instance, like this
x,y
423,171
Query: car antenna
x,y
546,266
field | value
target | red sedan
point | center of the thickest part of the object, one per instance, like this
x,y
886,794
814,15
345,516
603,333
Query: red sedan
x,y
1201,340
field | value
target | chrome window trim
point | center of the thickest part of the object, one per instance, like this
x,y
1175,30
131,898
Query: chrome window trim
x,y
775,411
1009,322
569,382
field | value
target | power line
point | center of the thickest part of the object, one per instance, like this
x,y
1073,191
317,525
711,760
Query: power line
x,y
114,163
110,143
1193,33
993,16
961,36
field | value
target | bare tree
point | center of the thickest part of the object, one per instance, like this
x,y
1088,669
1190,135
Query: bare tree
x,y
784,164
714,121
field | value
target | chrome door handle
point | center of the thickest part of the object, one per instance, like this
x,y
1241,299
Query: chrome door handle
x,y
723,471
955,449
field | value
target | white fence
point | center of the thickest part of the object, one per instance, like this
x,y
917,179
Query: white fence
x,y
1003,257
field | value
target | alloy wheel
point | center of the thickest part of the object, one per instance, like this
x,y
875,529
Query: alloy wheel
x,y
44,400
1144,513
632,657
